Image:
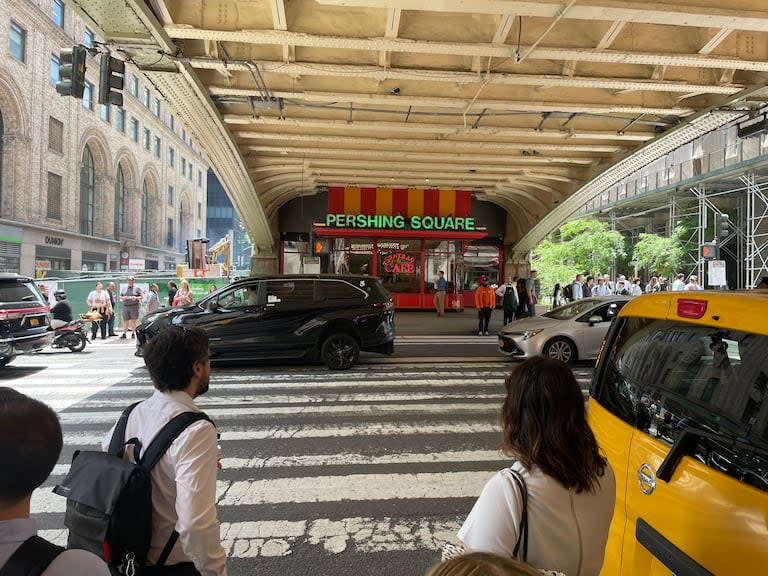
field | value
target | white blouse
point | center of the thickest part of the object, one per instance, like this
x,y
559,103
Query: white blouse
x,y
566,531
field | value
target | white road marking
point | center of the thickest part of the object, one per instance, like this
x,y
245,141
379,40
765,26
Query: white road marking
x,y
277,538
297,431
342,459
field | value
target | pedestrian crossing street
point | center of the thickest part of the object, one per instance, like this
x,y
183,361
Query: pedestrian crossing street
x,y
367,471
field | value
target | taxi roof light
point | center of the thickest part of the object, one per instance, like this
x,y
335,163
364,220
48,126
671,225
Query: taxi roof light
x,y
689,308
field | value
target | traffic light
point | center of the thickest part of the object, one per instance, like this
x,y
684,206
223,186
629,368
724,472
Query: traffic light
x,y
320,246
709,251
71,72
111,80
721,225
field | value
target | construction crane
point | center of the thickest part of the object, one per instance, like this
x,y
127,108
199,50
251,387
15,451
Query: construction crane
x,y
221,248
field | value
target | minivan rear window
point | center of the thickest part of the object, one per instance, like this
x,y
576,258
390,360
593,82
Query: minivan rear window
x,y
663,376
18,292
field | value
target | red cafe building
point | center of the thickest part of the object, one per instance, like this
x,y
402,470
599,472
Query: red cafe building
x,y
401,235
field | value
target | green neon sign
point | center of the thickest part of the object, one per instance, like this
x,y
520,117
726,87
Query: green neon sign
x,y
384,222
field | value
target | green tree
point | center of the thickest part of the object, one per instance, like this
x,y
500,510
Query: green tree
x,y
660,254
579,246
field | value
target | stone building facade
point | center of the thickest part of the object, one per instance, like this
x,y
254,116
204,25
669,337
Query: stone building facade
x,y
83,185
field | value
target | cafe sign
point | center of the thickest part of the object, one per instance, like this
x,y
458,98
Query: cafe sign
x,y
385,222
399,263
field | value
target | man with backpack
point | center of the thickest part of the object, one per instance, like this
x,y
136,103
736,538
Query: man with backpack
x,y
184,478
30,442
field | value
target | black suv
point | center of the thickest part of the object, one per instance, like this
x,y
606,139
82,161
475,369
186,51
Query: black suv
x,y
288,317
24,317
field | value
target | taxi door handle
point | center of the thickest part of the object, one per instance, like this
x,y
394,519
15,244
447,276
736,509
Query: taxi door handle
x,y
646,478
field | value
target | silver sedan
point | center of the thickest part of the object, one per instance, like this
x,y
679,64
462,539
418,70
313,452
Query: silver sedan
x,y
569,333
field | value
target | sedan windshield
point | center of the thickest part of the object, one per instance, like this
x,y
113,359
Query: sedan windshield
x,y
572,309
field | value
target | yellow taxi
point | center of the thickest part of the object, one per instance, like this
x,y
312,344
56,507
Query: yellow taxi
x,y
679,405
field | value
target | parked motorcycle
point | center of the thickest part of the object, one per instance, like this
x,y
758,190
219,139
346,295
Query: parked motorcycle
x,y
70,336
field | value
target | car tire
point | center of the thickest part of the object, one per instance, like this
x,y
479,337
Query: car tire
x,y
340,351
6,361
561,349
80,346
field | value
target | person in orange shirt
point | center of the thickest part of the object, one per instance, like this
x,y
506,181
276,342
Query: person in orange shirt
x,y
485,302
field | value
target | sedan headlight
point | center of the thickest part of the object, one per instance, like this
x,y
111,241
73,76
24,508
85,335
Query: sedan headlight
x,y
531,333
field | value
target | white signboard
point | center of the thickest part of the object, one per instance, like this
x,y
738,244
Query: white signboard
x,y
136,264
716,273
311,265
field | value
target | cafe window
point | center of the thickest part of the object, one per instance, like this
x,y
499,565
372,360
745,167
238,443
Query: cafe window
x,y
442,255
399,264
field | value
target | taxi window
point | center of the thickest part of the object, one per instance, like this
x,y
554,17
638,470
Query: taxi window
x,y
290,293
663,376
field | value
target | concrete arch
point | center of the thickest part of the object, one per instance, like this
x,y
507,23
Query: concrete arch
x,y
524,193
282,193
15,116
104,173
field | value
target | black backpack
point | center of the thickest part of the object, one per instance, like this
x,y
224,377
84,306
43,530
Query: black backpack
x,y
109,500
568,291
32,558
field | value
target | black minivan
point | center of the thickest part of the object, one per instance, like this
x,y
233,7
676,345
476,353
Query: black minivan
x,y
323,316
24,317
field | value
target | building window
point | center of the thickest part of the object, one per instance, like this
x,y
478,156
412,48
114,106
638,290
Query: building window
x,y
183,166
87,38
156,107
55,134
199,177
184,135
53,209
17,42
57,13
146,138
169,233
54,70
146,98
189,171
134,87
119,202
88,96
199,210
170,195
87,185
171,122
104,112
134,129
144,235
156,147
120,120
171,156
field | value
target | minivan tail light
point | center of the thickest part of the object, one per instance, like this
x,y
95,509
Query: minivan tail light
x,y
687,308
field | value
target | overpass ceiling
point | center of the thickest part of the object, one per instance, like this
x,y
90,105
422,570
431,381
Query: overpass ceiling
x,y
522,102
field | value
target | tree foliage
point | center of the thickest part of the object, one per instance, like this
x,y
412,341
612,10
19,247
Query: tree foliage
x,y
578,247
660,255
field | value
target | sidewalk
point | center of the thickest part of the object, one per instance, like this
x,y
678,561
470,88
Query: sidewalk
x,y
421,323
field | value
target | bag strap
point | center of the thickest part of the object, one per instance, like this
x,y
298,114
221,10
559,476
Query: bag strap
x,y
32,558
117,443
522,532
167,435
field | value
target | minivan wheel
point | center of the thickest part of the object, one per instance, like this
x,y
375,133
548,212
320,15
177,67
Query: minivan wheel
x,y
6,360
340,351
561,349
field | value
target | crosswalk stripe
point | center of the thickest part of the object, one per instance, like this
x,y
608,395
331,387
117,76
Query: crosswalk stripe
x,y
340,459
319,431
363,535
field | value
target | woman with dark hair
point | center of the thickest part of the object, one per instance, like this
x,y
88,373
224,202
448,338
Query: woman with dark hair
x,y
570,486
557,296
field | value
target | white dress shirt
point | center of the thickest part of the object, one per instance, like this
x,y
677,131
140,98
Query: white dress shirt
x,y
183,483
14,532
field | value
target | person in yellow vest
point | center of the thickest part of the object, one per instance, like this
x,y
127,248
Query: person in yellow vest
x,y
485,302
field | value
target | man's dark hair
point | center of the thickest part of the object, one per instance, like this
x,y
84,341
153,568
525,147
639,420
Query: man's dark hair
x,y
172,284
30,444
544,424
170,354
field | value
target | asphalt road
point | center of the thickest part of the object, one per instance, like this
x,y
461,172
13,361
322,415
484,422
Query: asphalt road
x,y
356,473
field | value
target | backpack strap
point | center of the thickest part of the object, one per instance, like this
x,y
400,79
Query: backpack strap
x,y
155,451
522,531
167,435
32,558
117,443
